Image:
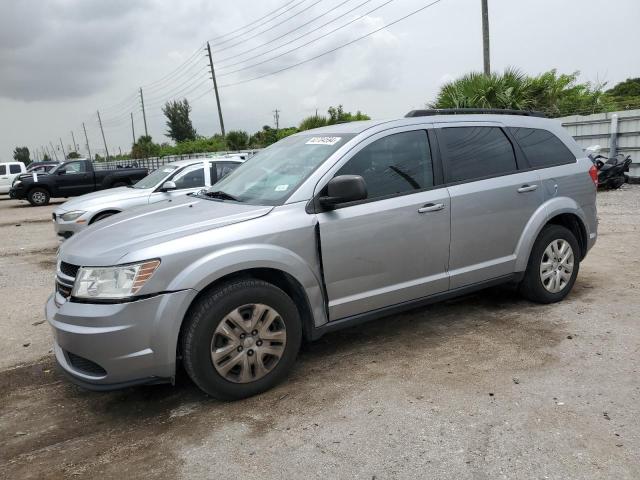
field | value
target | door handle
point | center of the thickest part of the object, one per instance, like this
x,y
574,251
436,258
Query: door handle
x,y
431,207
527,188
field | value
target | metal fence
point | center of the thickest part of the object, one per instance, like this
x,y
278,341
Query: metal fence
x,y
615,132
153,163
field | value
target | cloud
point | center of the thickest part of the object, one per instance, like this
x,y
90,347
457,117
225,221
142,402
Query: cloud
x,y
62,48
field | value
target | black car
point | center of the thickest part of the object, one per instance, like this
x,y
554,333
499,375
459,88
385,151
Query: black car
x,y
71,179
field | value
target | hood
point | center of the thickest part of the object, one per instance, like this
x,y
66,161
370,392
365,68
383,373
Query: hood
x,y
101,197
107,241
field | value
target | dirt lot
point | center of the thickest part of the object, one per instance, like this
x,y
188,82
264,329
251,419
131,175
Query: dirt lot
x,y
487,386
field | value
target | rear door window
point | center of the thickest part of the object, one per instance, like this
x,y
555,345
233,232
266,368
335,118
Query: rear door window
x,y
399,163
542,148
3,169
191,177
14,168
472,153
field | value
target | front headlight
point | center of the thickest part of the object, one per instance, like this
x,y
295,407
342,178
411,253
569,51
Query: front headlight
x,y
69,216
113,282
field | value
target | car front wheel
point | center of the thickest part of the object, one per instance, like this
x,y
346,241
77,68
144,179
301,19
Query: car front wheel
x,y
241,339
38,197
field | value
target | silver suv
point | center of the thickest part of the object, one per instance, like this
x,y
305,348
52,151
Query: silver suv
x,y
325,229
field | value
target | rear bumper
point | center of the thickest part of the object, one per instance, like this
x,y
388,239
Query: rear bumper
x,y
110,346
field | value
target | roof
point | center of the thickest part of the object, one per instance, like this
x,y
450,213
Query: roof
x,y
505,119
193,161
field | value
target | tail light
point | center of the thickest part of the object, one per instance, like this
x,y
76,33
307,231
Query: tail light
x,y
593,173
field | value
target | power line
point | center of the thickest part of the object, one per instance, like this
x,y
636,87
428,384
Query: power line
x,y
414,12
222,60
242,28
330,32
245,39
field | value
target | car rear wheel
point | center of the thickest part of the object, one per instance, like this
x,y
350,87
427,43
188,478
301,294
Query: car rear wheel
x,y
553,265
38,197
241,339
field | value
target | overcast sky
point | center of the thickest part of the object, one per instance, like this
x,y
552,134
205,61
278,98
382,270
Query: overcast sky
x,y
61,60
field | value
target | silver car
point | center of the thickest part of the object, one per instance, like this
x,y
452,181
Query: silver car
x,y
167,182
325,229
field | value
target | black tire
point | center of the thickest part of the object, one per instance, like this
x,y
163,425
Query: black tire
x,y
210,311
38,197
532,286
101,216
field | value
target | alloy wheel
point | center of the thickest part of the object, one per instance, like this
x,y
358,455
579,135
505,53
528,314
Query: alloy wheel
x,y
556,266
248,343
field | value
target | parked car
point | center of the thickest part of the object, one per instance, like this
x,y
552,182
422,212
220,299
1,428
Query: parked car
x,y
70,179
168,182
8,173
41,167
325,229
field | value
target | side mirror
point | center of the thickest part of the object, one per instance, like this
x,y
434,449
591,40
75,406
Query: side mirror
x,y
168,186
343,189
62,171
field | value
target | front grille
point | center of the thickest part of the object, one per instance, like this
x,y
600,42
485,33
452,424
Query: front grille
x,y
69,270
85,365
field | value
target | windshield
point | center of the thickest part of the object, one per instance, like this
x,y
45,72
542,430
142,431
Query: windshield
x,y
273,174
155,177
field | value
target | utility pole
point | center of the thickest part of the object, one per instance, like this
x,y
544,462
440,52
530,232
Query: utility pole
x,y
75,145
87,140
103,139
133,130
144,115
485,37
54,150
120,150
215,89
276,117
64,154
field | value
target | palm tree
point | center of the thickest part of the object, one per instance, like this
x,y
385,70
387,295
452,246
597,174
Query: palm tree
x,y
553,94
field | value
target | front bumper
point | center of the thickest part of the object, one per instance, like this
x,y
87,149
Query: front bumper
x,y
109,346
18,193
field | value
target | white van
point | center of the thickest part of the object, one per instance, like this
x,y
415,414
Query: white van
x,y
8,172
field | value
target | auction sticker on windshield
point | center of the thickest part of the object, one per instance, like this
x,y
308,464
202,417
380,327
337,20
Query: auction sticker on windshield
x,y
324,140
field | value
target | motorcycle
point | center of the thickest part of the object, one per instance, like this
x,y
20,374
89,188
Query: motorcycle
x,y
612,171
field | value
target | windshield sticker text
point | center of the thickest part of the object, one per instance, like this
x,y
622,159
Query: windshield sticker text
x,y
324,140
282,188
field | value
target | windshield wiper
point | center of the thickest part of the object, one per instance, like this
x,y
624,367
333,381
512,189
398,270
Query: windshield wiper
x,y
221,195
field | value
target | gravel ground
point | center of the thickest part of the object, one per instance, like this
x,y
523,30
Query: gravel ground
x,y
486,386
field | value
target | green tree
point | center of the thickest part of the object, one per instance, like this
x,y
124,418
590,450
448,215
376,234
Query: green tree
x,y
21,154
264,137
179,121
145,147
626,95
46,158
285,132
73,155
554,94
314,121
338,115
237,140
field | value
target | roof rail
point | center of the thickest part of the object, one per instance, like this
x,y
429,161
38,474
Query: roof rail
x,y
470,111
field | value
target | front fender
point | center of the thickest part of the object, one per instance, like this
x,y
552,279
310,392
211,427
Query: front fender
x,y
236,259
544,213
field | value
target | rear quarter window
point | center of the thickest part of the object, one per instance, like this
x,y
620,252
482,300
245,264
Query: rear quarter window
x,y
542,148
3,169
